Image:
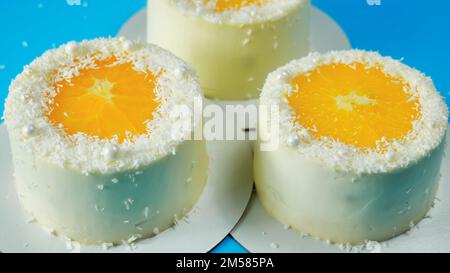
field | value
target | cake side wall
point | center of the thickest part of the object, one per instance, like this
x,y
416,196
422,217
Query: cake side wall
x,y
110,208
345,207
232,60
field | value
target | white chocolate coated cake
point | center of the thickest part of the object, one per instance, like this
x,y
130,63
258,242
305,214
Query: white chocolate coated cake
x,y
100,156
233,45
361,139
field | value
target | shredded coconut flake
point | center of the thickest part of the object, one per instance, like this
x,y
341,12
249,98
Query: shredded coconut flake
x,y
427,133
30,92
271,10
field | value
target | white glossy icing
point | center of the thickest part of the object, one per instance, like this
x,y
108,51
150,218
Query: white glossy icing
x,y
109,208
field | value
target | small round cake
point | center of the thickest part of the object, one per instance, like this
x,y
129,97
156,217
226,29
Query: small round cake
x,y
100,154
233,44
361,139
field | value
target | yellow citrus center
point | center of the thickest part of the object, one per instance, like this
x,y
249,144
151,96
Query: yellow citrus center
x,y
109,100
222,5
353,104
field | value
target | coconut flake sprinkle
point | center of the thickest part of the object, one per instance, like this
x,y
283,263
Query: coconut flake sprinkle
x,y
270,10
427,134
27,105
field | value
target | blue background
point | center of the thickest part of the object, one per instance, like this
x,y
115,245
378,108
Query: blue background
x,y
415,30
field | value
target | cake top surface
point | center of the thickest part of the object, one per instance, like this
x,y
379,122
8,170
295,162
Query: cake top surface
x,y
238,11
356,110
102,106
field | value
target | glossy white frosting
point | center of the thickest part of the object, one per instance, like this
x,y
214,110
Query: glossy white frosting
x,y
111,208
344,207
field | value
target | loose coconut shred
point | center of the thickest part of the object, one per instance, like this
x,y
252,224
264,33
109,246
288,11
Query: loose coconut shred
x,y
270,10
427,133
31,93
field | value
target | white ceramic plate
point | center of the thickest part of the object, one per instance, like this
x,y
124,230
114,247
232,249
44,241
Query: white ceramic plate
x,y
221,205
325,32
258,232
